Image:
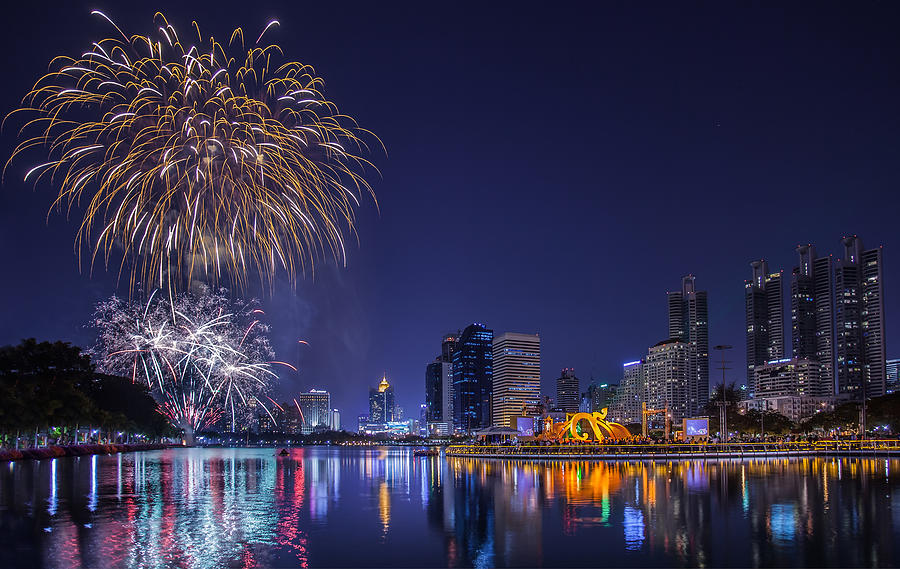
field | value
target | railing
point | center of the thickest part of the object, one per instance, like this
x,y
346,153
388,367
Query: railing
x,y
724,450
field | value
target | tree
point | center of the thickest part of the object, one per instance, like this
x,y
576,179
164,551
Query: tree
x,y
42,386
53,387
711,409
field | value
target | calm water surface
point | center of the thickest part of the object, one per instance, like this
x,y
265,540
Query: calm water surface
x,y
325,507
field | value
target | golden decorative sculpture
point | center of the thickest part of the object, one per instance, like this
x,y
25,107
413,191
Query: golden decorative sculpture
x,y
573,431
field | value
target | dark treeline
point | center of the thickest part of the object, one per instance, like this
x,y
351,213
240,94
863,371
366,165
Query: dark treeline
x,y
882,416
53,389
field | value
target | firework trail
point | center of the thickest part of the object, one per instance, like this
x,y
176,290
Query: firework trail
x,y
197,160
202,355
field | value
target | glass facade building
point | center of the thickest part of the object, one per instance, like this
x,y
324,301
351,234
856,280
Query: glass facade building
x,y
472,379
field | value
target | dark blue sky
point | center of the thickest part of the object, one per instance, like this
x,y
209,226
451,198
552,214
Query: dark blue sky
x,y
551,168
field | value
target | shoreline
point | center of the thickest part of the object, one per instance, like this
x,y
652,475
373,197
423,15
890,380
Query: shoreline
x,y
873,449
55,451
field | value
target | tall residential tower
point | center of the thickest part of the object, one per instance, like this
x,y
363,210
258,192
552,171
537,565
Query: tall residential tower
x,y
812,310
765,318
859,321
689,323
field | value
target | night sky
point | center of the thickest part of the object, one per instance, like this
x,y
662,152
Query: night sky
x,y
551,168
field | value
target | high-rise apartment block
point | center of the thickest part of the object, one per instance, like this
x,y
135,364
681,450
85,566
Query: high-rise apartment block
x,y
632,392
764,305
793,387
516,376
668,372
837,319
859,321
472,378
689,323
812,309
568,394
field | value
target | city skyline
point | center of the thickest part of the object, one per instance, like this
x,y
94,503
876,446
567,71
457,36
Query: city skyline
x,y
569,233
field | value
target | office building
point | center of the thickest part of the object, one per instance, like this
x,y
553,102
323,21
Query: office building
x,y
668,373
449,345
631,393
335,420
600,395
892,376
764,305
381,402
472,379
516,376
689,323
439,386
568,392
315,410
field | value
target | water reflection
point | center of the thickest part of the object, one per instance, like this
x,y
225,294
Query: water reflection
x,y
202,508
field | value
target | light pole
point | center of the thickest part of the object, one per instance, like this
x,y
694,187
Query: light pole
x,y
723,418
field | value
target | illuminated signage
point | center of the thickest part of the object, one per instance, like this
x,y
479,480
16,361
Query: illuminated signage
x,y
696,427
525,426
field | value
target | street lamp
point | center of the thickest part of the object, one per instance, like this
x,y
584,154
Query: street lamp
x,y
723,419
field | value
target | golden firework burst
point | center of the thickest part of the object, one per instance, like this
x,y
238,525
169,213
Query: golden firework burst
x,y
193,164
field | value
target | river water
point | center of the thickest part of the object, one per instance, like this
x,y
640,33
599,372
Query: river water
x,y
384,507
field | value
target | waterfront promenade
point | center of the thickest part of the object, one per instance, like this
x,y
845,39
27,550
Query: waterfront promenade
x,y
825,448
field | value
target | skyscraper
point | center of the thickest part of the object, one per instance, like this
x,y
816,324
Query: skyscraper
x,y
449,344
472,378
381,402
439,387
315,410
668,373
689,323
875,371
434,390
812,310
859,321
764,304
567,391
516,376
